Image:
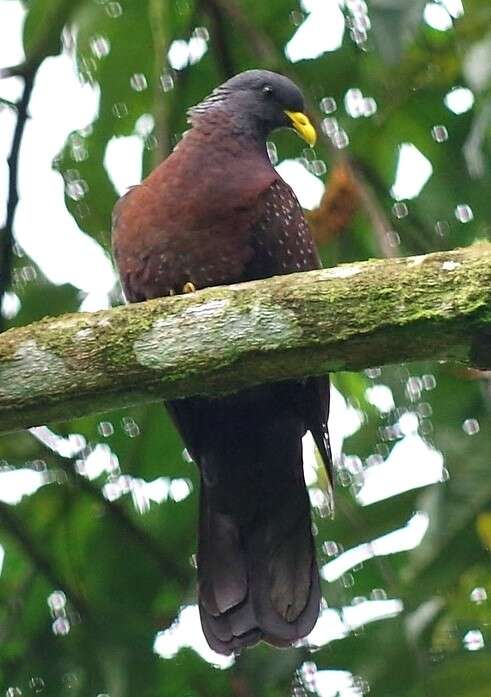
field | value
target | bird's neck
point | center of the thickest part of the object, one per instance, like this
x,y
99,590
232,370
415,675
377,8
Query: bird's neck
x,y
227,132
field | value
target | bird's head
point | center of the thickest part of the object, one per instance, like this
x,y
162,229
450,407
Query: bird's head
x,y
259,101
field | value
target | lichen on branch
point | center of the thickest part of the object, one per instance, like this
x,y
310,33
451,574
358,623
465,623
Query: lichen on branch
x,y
223,339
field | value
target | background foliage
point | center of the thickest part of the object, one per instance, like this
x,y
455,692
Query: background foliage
x,y
125,566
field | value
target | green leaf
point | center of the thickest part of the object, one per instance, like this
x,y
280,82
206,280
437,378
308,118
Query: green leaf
x,y
43,26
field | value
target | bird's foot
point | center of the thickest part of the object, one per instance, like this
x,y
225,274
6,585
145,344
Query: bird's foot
x,y
188,287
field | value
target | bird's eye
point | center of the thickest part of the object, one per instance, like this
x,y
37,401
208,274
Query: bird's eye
x,y
267,90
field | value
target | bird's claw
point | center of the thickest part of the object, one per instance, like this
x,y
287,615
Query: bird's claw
x,y
188,287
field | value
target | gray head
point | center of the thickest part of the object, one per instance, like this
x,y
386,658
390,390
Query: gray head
x,y
259,101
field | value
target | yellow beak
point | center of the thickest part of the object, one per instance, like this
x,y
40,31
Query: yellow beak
x,y
303,127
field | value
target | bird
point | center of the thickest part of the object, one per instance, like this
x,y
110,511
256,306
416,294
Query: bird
x,y
216,212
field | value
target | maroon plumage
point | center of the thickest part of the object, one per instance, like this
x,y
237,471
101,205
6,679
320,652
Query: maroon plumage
x,y
216,212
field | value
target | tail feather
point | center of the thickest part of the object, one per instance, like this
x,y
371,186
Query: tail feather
x,y
229,642
257,573
219,548
307,619
260,580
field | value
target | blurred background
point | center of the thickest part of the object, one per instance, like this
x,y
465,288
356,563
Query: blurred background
x,y
98,515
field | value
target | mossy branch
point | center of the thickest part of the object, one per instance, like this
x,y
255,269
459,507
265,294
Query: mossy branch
x,y
222,339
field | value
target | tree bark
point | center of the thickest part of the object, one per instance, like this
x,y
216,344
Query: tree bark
x,y
223,339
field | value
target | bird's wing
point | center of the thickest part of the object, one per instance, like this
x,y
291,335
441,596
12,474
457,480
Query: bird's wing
x,y
283,244
262,233
189,222
281,237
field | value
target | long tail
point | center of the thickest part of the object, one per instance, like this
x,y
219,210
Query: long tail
x,y
257,573
258,578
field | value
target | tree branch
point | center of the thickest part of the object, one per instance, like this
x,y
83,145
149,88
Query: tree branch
x,y
222,339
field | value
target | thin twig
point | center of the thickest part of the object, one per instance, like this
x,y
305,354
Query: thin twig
x,y
220,39
352,514
387,239
159,24
14,606
261,45
118,514
473,147
7,237
7,103
22,70
412,225
16,529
